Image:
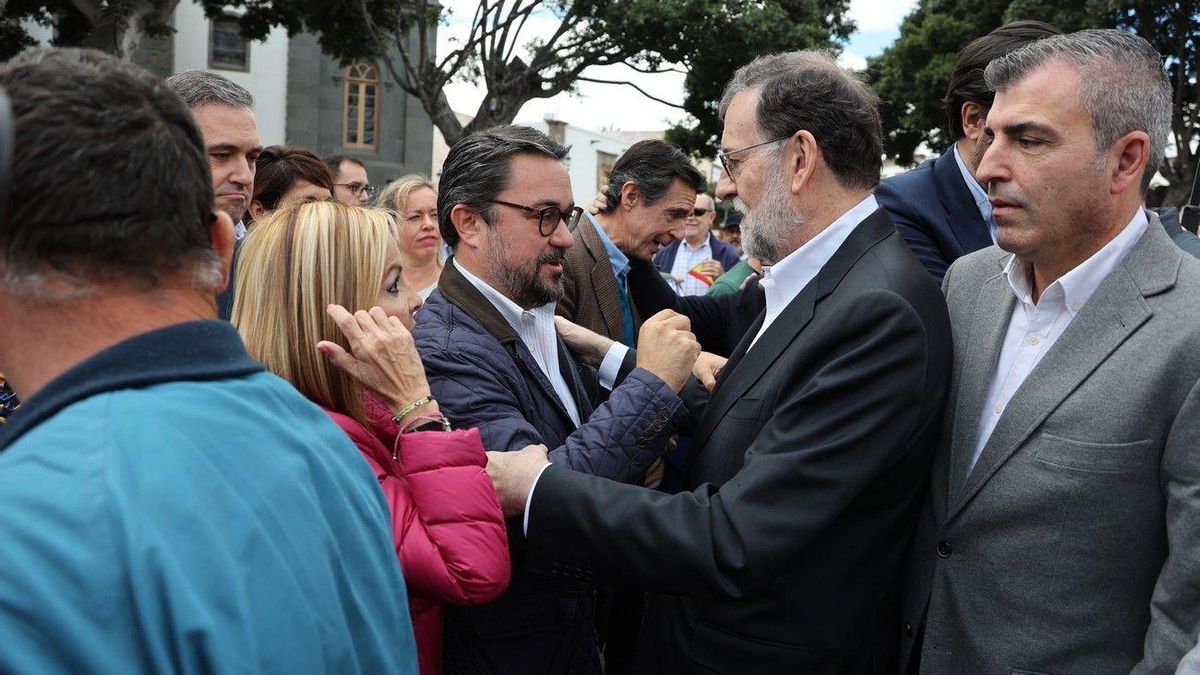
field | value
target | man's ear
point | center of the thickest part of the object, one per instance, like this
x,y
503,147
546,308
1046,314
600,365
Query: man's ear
x,y
223,242
1131,155
973,118
802,156
257,210
631,194
469,224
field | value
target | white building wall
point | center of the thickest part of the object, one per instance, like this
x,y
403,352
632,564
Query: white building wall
x,y
582,163
267,79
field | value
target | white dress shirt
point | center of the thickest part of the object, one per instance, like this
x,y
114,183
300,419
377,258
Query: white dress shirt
x,y
1036,326
978,193
685,259
536,329
784,280
239,230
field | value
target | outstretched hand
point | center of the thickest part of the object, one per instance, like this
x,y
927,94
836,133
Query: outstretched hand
x,y
513,474
382,356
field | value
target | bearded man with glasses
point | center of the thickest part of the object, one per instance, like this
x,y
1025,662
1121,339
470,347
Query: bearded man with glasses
x,y
495,362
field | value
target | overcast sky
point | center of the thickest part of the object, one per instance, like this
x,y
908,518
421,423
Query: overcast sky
x,y
598,106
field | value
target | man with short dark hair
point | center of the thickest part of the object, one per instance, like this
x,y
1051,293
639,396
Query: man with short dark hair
x,y
653,185
695,261
1062,528
784,553
494,360
350,184
940,207
166,505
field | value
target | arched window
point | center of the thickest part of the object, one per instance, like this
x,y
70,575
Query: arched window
x,y
360,119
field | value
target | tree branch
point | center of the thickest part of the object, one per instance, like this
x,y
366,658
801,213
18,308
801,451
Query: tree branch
x,y
641,91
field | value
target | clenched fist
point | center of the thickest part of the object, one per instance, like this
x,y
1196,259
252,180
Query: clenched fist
x,y
667,348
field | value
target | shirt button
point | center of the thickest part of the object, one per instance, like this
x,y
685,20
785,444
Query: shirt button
x,y
1033,339
944,549
1075,305
998,409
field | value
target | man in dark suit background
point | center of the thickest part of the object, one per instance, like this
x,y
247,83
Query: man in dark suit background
x,y
939,207
652,188
783,555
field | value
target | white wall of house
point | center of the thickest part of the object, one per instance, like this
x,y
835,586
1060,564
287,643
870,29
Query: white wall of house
x,y
582,163
267,79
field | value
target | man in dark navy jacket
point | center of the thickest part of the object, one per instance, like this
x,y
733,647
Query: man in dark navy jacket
x,y
940,209
494,361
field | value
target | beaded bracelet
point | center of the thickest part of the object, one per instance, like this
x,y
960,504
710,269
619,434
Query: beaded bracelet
x,y
409,408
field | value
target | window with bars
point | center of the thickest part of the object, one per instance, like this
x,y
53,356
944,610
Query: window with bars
x,y
227,48
361,110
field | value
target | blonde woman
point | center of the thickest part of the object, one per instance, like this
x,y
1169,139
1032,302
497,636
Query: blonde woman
x,y
414,201
300,267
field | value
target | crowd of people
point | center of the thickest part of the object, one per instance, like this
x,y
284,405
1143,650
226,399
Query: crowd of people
x,y
274,420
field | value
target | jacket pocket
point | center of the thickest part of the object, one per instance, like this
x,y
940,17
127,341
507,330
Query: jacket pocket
x,y
1095,457
745,409
721,651
1014,671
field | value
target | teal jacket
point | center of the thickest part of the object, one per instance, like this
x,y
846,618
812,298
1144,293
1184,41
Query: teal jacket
x,y
168,507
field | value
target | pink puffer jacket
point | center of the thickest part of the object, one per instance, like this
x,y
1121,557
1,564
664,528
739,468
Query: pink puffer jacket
x,y
446,521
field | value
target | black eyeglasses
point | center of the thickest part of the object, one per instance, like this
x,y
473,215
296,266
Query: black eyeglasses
x,y
699,212
549,217
356,188
730,165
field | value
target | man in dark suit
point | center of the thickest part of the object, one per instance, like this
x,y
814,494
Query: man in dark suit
x,y
939,207
698,248
652,188
783,555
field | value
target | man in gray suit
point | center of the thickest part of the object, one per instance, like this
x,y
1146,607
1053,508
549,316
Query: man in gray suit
x,y
1062,530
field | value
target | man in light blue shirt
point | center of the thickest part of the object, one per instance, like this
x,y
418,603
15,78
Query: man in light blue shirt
x,y
166,506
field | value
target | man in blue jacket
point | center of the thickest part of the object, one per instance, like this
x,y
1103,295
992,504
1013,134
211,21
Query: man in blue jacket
x,y
939,207
494,361
165,505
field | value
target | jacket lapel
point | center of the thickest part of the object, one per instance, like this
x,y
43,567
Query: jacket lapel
x,y
746,366
1114,312
962,214
604,282
993,311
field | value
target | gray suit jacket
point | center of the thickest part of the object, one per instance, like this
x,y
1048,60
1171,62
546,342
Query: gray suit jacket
x,y
1073,546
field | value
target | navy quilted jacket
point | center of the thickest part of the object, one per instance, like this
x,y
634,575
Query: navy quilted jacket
x,y
484,377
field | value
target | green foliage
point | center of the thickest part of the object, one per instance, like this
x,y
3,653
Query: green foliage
x,y
731,34
912,74
111,25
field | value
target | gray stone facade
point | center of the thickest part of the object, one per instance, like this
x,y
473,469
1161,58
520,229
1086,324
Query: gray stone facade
x,y
316,87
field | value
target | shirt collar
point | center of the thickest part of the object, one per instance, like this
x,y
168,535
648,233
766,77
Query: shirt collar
x,y
1078,285
239,230
784,280
196,350
513,313
977,191
618,260
701,247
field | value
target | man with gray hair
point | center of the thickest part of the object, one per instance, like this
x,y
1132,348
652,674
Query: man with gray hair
x,y
166,505
494,360
784,552
224,111
1062,529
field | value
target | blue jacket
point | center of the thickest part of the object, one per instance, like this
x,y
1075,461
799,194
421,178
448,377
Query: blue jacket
x,y
722,252
483,376
168,507
934,211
